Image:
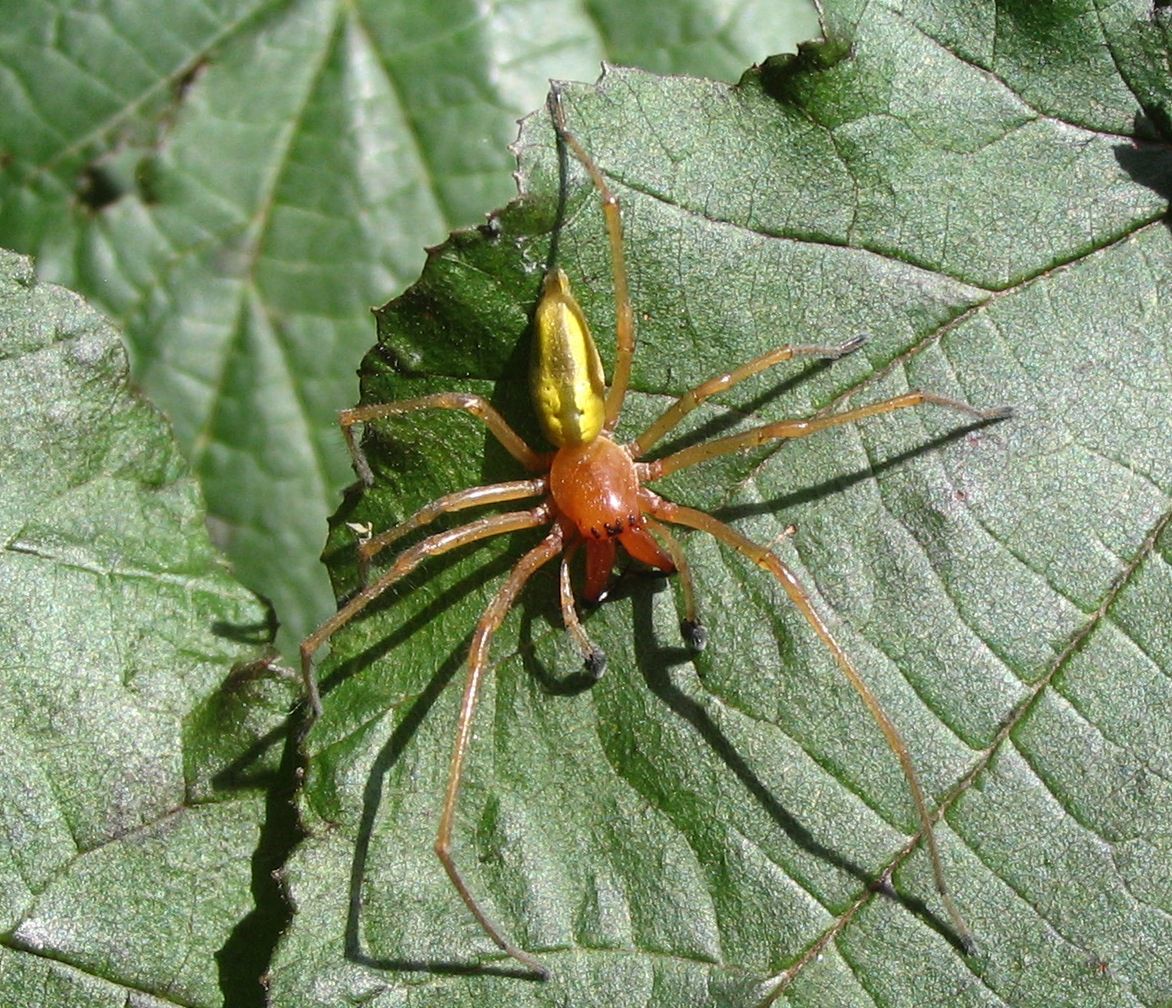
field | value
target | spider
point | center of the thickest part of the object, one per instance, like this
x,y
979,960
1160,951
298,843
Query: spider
x,y
595,497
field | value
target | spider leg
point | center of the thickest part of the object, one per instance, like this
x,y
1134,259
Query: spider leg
x,y
624,326
721,383
593,657
407,561
493,493
803,428
478,654
693,631
800,597
478,406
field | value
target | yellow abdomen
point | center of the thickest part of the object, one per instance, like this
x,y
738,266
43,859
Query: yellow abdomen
x,y
565,374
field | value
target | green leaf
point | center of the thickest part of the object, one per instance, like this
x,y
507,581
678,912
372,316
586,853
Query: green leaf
x,y
235,182
983,189
131,801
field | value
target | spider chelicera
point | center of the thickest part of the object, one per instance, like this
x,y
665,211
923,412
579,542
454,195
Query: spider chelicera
x,y
594,498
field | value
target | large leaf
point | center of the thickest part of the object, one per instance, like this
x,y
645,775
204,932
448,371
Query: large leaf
x,y
135,868
235,182
982,188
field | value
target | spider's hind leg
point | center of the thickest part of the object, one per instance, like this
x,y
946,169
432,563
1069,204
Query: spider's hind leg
x,y
624,326
671,417
804,428
465,402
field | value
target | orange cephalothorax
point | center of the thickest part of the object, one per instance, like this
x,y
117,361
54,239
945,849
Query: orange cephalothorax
x,y
596,490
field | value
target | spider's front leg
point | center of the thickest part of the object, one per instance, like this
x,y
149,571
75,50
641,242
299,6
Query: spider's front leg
x,y
465,402
492,493
694,632
593,657
478,407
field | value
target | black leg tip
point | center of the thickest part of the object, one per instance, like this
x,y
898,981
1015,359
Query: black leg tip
x,y
853,344
695,634
595,664
363,471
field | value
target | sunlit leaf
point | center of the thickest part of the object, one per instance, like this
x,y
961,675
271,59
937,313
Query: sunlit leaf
x,y
132,802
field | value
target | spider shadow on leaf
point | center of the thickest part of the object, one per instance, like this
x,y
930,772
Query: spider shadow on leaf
x,y
1146,158
655,662
835,484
